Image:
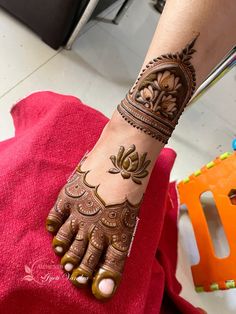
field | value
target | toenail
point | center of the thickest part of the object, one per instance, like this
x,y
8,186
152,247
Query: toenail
x,y
50,228
106,286
68,266
82,279
59,249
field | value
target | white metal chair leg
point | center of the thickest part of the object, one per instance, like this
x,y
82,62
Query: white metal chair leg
x,y
83,20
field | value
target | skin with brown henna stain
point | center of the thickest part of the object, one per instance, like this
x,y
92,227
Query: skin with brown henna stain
x,y
90,233
129,164
160,94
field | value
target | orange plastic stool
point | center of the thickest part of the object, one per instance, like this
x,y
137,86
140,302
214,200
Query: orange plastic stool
x,y
218,177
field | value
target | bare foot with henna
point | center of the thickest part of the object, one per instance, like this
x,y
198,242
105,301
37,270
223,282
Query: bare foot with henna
x,y
96,213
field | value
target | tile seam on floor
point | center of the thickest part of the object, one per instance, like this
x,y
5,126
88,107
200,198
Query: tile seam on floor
x,y
121,42
31,73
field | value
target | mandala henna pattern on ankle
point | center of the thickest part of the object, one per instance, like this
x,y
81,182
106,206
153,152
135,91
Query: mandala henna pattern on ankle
x,y
160,94
93,238
129,164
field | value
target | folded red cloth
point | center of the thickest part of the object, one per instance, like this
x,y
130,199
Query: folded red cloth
x,y
52,134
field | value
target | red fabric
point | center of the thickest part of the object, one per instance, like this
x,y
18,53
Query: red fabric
x,y
52,134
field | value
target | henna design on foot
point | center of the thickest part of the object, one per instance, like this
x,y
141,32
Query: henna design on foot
x,y
160,94
93,238
129,164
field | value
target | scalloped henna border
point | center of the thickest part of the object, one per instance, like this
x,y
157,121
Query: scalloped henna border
x,y
95,189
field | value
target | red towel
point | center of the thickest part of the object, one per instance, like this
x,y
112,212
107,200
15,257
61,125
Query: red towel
x,y
52,134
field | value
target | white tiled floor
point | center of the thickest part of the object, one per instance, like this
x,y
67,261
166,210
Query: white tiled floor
x,y
101,67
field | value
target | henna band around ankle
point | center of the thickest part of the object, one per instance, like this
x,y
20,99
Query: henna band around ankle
x,y
160,94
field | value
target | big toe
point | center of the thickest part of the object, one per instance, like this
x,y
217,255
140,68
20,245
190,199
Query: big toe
x,y
105,284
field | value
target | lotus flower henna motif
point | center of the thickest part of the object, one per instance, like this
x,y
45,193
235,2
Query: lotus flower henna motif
x,y
129,164
157,96
168,106
148,96
167,82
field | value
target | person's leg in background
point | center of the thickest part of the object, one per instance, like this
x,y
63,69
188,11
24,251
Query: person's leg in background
x,y
123,158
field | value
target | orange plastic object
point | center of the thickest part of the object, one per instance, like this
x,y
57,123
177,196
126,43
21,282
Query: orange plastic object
x,y
219,177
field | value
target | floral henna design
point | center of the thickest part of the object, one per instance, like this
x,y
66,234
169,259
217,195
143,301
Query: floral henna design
x,y
160,94
129,164
157,93
93,238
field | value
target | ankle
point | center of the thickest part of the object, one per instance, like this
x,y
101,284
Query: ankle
x,y
119,136
119,130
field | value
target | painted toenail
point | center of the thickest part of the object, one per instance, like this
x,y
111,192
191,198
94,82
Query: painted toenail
x,y
106,286
68,266
82,279
59,249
